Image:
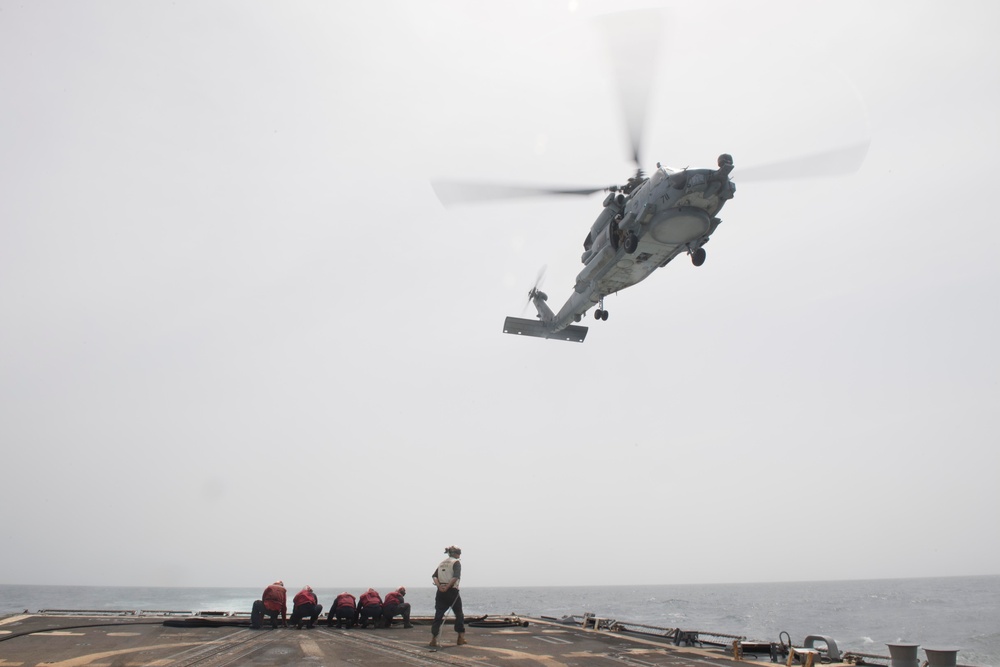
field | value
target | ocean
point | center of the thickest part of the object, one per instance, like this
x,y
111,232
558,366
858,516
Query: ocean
x,y
859,615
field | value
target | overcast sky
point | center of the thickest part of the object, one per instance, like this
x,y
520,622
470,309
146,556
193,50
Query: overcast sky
x,y
241,339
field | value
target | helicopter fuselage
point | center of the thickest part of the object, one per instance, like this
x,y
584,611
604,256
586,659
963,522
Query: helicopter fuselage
x,y
644,225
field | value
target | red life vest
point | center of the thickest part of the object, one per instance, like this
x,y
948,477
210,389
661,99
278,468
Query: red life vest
x,y
371,596
393,598
345,600
304,596
274,598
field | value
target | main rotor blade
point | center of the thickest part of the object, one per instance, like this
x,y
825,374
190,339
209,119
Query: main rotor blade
x,y
633,39
459,192
839,162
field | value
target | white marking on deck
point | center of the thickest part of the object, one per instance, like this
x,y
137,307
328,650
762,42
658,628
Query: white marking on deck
x,y
310,648
553,640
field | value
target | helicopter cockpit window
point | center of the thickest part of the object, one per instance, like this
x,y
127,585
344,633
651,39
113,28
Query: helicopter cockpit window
x,y
658,176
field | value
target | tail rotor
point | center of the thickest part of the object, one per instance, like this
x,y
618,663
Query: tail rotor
x,y
535,292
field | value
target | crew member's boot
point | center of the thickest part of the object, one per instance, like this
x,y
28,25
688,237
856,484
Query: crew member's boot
x,y
434,641
461,639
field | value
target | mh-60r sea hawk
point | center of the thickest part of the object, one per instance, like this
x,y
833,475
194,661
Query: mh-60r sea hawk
x,y
649,221
643,226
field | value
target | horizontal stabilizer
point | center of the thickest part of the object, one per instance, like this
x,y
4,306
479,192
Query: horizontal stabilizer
x,y
523,327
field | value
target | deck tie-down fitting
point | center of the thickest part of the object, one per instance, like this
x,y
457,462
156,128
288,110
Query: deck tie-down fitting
x,y
808,656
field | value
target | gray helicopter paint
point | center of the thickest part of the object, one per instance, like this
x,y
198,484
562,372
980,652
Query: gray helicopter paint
x,y
670,213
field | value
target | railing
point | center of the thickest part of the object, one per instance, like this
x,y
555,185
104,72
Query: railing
x,y
141,612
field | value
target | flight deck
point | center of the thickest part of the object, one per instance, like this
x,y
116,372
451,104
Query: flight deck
x,y
160,639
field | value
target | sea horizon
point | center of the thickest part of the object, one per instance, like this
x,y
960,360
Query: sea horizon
x,y
580,585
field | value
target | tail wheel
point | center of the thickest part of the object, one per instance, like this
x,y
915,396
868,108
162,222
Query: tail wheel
x,y
598,314
698,257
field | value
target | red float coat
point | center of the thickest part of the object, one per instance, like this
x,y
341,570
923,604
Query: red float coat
x,y
274,598
304,596
393,598
371,596
344,600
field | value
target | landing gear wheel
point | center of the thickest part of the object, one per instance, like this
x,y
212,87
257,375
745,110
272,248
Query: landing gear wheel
x,y
600,313
698,257
631,243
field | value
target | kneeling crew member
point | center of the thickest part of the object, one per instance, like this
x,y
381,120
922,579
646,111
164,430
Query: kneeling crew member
x,y
305,604
394,604
343,611
274,602
369,608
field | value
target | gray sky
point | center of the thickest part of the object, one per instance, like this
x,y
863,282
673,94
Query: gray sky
x,y
241,339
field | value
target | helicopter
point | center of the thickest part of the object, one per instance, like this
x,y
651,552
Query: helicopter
x,y
644,225
649,221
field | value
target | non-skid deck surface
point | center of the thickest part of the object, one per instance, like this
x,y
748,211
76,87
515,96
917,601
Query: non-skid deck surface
x,y
119,642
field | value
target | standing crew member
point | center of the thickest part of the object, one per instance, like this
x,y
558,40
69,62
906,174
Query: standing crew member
x,y
305,604
274,602
394,604
447,577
